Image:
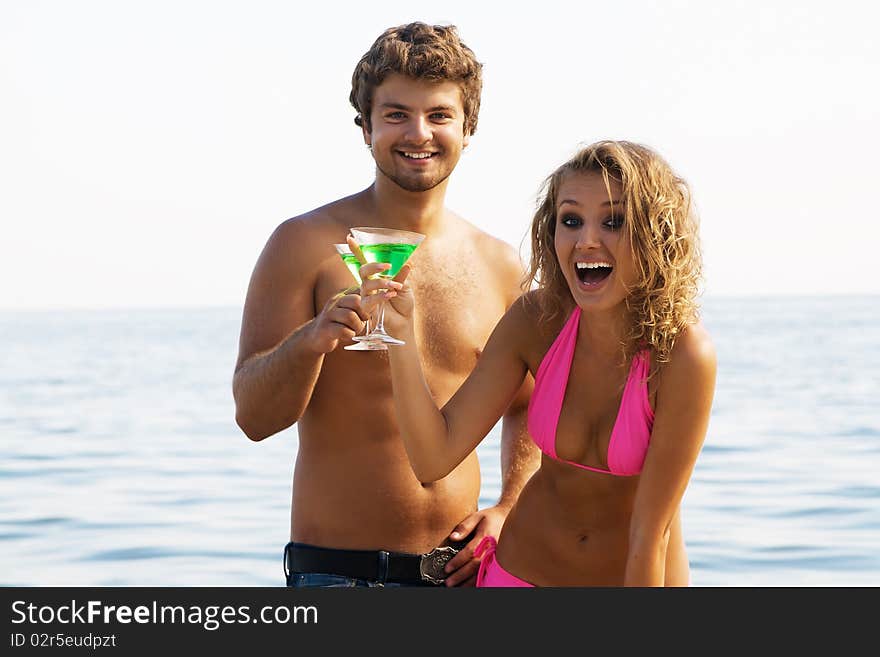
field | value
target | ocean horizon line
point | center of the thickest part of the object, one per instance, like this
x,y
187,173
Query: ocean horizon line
x,y
11,310
89,308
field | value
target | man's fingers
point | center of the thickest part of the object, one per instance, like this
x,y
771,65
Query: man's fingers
x,y
337,298
464,555
463,529
349,313
463,574
343,331
356,249
353,303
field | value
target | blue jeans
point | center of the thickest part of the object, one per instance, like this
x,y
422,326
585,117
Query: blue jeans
x,y
323,580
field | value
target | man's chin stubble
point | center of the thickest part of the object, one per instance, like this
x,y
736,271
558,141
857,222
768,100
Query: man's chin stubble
x,y
411,185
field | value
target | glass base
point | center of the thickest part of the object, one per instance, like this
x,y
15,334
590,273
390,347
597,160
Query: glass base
x,y
366,345
378,336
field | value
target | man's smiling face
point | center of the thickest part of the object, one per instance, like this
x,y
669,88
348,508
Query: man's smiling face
x,y
417,131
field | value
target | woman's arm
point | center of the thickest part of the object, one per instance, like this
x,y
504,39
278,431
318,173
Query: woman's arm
x,y
684,403
438,440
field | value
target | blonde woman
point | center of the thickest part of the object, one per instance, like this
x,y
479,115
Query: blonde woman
x,y
624,379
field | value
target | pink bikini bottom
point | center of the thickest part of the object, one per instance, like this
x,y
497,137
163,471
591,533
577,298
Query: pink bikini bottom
x,y
491,574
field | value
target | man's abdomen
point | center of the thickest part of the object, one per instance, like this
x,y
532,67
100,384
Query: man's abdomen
x,y
360,493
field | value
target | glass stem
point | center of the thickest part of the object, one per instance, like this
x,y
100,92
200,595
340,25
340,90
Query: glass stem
x,y
380,322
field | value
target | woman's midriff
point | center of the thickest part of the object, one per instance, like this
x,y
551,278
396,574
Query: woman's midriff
x,y
571,528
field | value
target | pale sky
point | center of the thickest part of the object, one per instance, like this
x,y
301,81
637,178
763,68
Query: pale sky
x,y
148,149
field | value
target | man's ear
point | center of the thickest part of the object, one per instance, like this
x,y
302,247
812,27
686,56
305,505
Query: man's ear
x,y
466,140
365,132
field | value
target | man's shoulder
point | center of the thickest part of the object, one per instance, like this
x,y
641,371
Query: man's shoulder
x,y
316,223
488,241
303,241
501,256
310,233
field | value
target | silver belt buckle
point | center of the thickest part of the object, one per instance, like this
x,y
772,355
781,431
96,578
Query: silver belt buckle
x,y
431,564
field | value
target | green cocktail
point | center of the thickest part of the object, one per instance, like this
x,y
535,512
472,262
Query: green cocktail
x,y
385,245
394,254
354,266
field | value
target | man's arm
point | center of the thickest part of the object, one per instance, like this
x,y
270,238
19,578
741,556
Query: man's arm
x,y
520,457
282,342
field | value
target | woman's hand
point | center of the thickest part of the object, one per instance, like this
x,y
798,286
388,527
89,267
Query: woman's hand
x,y
400,304
375,289
399,300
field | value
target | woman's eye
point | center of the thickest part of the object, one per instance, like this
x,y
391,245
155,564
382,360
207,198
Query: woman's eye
x,y
570,220
615,222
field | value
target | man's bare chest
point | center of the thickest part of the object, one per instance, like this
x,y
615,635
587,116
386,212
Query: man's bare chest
x,y
454,313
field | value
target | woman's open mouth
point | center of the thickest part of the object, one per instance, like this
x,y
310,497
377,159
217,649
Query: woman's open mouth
x,y
593,273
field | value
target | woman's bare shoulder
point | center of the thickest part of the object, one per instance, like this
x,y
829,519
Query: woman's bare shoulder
x,y
694,348
527,322
692,363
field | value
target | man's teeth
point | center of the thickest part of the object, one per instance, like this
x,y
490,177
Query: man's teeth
x,y
592,265
417,156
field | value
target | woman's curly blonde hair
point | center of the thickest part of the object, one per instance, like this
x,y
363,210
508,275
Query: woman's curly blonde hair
x,y
663,231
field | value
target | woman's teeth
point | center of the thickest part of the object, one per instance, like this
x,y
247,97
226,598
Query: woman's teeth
x,y
593,272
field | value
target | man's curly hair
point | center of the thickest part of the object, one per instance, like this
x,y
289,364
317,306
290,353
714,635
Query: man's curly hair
x,y
422,52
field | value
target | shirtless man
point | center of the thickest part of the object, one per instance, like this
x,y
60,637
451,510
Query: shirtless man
x,y
359,516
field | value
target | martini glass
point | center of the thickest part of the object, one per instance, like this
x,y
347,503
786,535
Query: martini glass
x,y
391,246
354,266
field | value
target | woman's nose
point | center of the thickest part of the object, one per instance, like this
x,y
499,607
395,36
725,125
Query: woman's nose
x,y
588,237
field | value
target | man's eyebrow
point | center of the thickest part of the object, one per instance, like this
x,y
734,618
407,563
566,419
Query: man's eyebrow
x,y
436,108
394,106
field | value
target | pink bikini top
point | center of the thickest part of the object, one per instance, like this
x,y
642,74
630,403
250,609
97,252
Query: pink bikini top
x,y
635,419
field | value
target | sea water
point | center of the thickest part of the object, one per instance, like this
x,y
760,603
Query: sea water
x,y
123,466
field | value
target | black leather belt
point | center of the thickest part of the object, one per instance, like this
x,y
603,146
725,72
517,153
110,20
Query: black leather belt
x,y
373,565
